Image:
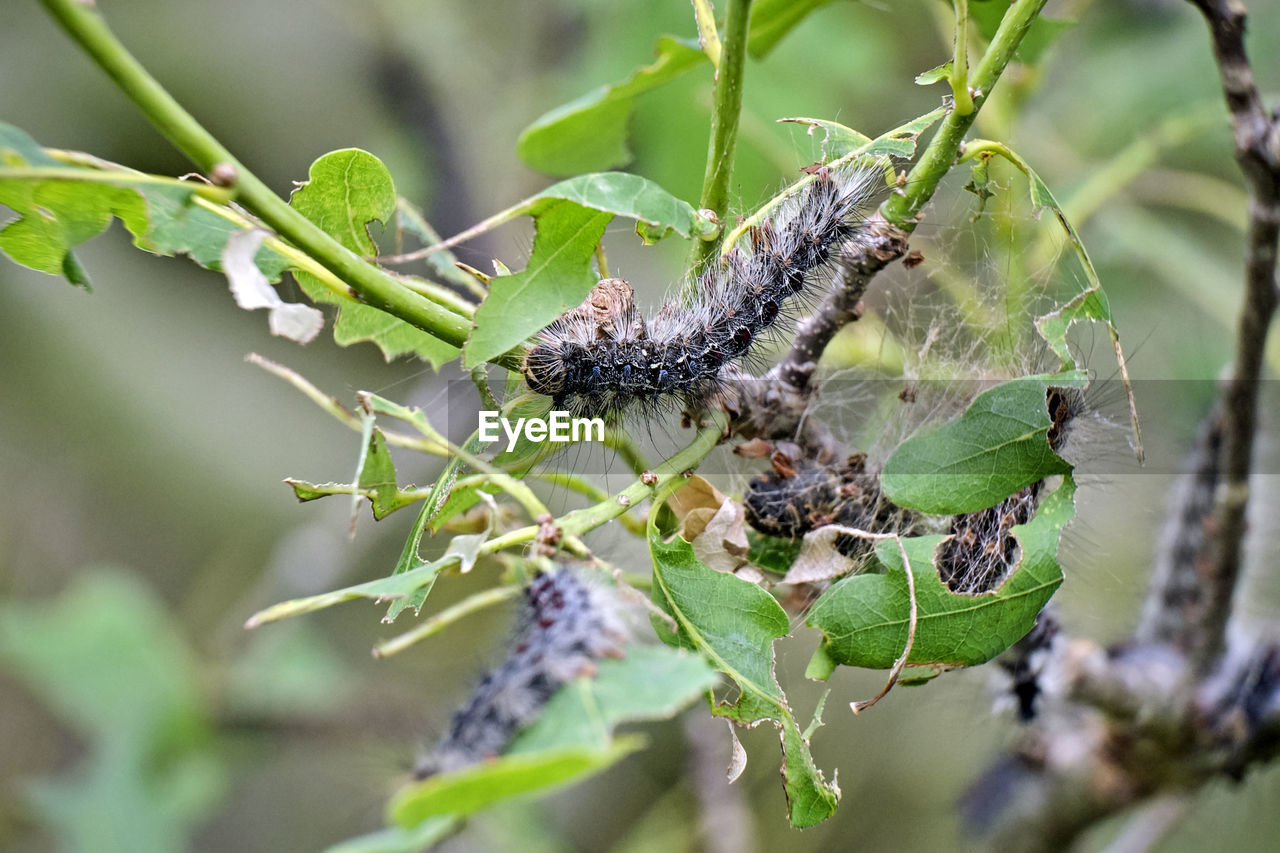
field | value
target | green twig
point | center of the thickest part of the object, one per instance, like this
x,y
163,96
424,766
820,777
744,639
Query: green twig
x,y
369,283
726,106
331,405
583,520
901,209
445,618
960,63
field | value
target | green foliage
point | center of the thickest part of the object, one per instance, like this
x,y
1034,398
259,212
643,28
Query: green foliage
x,y
109,662
572,739
998,445
734,624
723,623
590,132
60,206
345,192
864,618
570,218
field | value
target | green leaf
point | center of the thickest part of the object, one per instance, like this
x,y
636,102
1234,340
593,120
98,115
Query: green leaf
x,y
650,683
465,791
997,446
56,215
864,617
933,75
773,19
107,659
409,561
590,132
345,192
772,553
395,586
734,623
845,143
558,277
378,478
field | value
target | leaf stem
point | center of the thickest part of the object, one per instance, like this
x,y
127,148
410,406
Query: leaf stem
x,y
445,618
217,195
726,107
708,37
370,284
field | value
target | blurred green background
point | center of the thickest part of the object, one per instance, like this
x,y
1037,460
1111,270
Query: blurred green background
x,y
143,516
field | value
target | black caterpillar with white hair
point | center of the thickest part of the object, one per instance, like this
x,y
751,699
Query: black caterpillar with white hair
x,y
604,360
565,625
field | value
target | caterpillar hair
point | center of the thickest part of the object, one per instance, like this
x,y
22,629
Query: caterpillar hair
x,y
565,625
604,360
981,550
795,498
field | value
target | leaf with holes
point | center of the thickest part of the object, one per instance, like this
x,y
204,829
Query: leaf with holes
x,y
345,192
864,618
997,446
733,623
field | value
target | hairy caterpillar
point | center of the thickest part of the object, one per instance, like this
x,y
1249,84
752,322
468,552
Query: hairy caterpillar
x,y
981,550
604,360
793,499
565,625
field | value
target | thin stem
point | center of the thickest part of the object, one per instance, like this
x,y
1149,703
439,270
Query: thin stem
x,y
349,418
960,61
726,107
367,282
445,618
217,195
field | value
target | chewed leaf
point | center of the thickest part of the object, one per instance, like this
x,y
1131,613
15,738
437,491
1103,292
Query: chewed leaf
x,y
396,586
346,191
997,446
933,75
650,683
60,206
590,132
864,618
251,290
465,791
733,624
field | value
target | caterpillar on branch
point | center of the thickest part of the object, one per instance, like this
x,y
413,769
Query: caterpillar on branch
x,y
603,359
